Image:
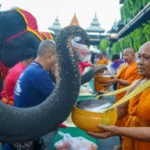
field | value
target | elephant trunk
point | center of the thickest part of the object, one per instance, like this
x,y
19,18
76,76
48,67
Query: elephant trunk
x,y
22,124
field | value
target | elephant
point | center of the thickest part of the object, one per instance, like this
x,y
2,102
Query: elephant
x,y
23,124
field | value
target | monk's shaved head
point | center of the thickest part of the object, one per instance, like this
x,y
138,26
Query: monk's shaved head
x,y
130,51
145,46
144,60
46,47
129,55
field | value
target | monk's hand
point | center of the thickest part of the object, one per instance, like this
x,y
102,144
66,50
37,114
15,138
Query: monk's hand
x,y
111,82
109,131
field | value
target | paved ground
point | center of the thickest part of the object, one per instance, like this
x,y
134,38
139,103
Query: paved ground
x,y
107,144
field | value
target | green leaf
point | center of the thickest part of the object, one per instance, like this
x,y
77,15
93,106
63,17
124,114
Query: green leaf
x,y
104,44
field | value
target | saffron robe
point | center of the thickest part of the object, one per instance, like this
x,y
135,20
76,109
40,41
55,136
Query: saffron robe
x,y
130,74
138,116
98,86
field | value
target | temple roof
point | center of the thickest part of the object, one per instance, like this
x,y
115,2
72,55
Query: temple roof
x,y
95,26
74,21
56,25
117,26
141,18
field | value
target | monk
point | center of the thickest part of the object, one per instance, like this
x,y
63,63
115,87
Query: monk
x,y
101,60
136,131
127,74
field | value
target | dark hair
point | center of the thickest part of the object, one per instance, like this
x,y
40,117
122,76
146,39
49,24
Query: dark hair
x,y
115,56
30,53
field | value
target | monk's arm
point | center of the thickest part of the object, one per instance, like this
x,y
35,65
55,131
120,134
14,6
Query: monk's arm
x,y
123,82
122,110
117,80
138,133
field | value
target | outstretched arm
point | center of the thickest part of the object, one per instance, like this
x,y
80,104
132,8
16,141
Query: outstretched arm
x,y
91,73
138,133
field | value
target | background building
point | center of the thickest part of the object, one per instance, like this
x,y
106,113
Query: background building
x,y
95,32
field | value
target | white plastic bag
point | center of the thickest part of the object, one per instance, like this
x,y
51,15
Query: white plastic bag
x,y
81,50
74,143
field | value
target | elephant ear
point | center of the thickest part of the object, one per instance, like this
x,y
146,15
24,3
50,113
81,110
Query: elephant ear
x,y
13,51
12,23
15,22
19,32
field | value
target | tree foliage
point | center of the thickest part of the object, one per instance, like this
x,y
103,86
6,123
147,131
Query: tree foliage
x,y
134,40
104,44
131,8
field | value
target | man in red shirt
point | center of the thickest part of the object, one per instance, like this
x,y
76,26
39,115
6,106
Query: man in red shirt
x,y
7,93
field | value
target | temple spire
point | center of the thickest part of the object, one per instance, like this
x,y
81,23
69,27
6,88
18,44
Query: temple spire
x,y
74,21
95,25
56,27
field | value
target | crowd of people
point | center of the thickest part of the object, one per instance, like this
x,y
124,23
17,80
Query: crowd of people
x,y
29,82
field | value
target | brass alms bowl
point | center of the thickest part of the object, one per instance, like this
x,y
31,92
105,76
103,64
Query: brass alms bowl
x,y
88,120
102,79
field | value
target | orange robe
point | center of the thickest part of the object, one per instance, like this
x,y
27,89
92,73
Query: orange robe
x,y
138,116
98,86
102,61
130,74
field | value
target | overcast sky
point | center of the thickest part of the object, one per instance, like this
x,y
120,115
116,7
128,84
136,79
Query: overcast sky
x,y
46,11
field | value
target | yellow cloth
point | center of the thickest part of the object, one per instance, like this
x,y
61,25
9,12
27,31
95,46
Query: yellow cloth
x,y
102,61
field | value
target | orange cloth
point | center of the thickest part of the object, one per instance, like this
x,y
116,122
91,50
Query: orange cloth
x,y
130,74
8,102
138,116
98,86
102,61
122,66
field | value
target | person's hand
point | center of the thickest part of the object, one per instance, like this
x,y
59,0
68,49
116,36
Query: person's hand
x,y
111,82
54,70
109,131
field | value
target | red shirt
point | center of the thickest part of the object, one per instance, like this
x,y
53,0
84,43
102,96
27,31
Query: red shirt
x,y
11,79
